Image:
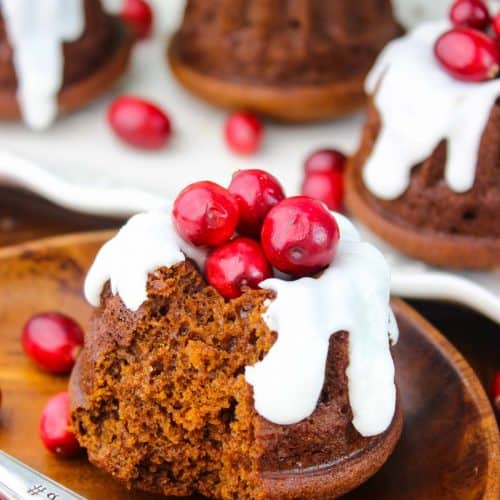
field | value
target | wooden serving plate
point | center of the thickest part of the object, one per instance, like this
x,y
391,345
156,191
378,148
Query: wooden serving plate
x,y
450,447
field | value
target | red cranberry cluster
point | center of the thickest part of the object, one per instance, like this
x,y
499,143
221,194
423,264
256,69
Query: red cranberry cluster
x,y
324,177
251,227
470,51
53,341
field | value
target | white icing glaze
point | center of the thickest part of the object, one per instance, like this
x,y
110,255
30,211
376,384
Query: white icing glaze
x,y
352,295
36,31
112,6
420,105
145,243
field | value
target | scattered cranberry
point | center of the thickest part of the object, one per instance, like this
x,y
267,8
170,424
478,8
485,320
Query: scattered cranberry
x,y
243,132
325,160
468,55
495,391
256,192
327,187
205,214
470,14
237,264
138,14
139,123
54,427
300,236
52,341
496,25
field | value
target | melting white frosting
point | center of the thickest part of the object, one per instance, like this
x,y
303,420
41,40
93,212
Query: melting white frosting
x,y
420,105
37,30
352,295
146,242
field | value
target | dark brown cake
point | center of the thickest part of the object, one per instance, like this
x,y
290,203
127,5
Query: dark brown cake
x,y
91,63
313,53
430,221
160,401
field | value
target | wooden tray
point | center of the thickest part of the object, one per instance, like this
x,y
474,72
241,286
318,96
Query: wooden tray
x,y
450,444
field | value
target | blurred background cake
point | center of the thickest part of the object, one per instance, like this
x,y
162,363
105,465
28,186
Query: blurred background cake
x,y
294,61
57,55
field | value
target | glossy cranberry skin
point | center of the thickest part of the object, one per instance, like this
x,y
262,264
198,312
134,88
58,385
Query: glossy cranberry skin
x,y
496,25
138,14
300,236
235,265
139,123
468,55
53,341
470,14
325,160
205,214
256,192
495,391
243,132
327,187
55,430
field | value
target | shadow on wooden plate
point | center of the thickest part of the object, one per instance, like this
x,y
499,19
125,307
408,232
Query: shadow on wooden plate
x,y
450,442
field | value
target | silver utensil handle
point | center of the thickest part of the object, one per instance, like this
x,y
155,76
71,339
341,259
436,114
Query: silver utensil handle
x,y
20,482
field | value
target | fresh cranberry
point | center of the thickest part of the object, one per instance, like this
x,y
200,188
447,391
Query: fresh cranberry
x,y
55,430
256,192
470,14
244,132
327,187
325,160
495,391
52,341
139,123
496,25
468,55
205,214
138,14
237,264
300,236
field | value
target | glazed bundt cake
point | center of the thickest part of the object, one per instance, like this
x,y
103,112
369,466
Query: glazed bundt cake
x,y
426,177
292,60
63,58
286,391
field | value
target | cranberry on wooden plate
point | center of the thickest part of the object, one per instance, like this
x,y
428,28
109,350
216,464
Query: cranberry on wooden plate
x,y
256,192
138,14
468,54
300,236
139,123
325,160
470,14
52,341
243,132
205,214
55,430
237,264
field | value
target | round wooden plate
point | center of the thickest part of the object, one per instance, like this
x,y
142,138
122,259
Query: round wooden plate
x,y
450,444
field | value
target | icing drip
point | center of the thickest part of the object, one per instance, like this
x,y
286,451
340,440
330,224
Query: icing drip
x,y
112,6
37,31
352,295
145,243
420,105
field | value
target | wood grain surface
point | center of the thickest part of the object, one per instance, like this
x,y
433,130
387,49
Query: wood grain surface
x,y
450,443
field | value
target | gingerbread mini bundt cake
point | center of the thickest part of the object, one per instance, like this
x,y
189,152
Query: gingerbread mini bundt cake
x,y
202,373
57,56
426,177
291,60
